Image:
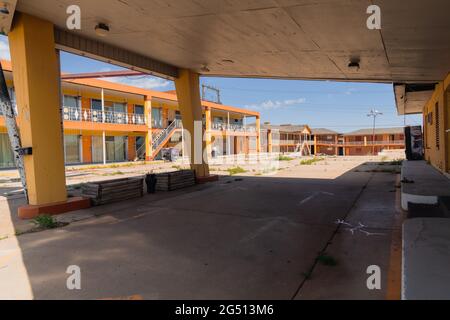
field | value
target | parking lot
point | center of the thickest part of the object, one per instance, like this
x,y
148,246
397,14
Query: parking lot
x,y
300,232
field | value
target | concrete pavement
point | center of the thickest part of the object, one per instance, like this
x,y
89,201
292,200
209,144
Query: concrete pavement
x,y
249,239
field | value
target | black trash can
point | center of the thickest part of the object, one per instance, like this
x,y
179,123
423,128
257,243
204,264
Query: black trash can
x,y
150,181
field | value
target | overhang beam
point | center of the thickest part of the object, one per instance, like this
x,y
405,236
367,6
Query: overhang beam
x,y
96,75
74,43
411,98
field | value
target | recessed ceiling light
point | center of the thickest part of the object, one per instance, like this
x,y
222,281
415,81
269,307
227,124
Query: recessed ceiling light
x,y
354,64
102,29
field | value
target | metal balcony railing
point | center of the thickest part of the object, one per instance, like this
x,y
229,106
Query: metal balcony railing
x,y
361,143
232,127
397,142
328,142
75,114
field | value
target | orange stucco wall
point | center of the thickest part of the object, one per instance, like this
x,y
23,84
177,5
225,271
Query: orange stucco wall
x,y
85,103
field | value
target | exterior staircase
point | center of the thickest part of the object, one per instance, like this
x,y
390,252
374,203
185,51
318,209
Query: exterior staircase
x,y
160,139
303,148
140,153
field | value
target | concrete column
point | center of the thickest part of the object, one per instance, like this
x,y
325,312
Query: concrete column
x,y
148,136
227,135
315,144
104,146
336,141
188,92
165,117
247,145
208,130
103,120
258,137
35,72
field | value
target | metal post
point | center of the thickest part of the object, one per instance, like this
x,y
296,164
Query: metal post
x,y
227,135
61,101
374,113
182,141
103,120
373,136
13,131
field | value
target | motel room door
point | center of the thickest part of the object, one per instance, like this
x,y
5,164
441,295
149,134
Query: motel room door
x,y
97,149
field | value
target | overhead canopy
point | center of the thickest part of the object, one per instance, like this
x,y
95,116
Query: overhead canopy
x,y
411,98
301,39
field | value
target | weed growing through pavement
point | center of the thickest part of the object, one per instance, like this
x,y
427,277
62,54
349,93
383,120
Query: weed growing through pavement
x,y
312,161
236,170
45,221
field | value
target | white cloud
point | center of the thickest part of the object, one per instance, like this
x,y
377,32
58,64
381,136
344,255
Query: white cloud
x,y
4,49
144,82
270,104
350,91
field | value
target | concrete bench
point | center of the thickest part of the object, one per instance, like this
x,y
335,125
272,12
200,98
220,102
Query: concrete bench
x,y
428,184
426,259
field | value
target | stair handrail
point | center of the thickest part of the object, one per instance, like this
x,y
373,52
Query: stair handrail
x,y
176,124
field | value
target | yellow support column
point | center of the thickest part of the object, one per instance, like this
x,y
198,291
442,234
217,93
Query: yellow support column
x,y
148,136
188,92
315,144
36,80
336,148
258,132
208,130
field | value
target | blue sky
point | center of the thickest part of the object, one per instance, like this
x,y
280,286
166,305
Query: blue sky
x,y
340,106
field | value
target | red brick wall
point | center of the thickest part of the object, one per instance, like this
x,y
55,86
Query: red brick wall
x,y
328,150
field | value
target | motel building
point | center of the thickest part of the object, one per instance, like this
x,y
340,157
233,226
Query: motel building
x,y
286,138
327,142
108,122
357,143
321,141
364,142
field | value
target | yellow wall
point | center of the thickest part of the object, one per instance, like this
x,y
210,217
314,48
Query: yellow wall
x,y
436,111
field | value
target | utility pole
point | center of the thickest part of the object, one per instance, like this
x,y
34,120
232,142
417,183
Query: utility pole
x,y
374,113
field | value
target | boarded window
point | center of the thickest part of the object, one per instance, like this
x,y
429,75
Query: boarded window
x,y
72,149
